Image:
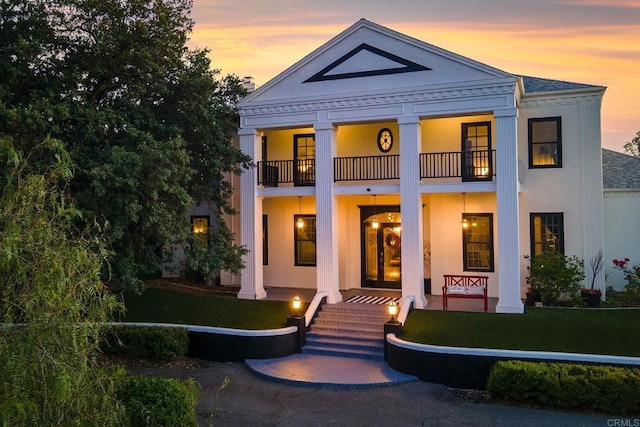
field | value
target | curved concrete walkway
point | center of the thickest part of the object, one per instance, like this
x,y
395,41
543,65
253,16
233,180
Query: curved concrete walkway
x,y
327,371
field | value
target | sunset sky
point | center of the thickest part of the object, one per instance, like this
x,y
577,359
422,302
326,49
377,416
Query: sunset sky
x,y
586,41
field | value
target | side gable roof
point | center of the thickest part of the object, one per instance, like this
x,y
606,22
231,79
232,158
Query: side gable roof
x,y
620,170
537,85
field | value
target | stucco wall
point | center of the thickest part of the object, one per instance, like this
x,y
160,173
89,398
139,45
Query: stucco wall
x,y
622,234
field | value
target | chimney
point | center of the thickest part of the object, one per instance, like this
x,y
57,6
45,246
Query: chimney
x,y
248,84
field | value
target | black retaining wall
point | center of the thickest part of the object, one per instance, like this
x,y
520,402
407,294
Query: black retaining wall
x,y
234,348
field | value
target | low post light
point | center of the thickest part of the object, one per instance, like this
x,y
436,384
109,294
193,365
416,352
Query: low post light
x,y
393,311
296,305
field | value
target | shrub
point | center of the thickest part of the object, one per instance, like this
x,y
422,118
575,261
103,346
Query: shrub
x,y
151,401
552,275
607,389
149,342
632,276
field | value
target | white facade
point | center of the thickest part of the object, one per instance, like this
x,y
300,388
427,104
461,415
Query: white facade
x,y
321,118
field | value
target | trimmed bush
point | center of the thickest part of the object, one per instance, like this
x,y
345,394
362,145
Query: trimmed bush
x,y
151,401
606,389
148,342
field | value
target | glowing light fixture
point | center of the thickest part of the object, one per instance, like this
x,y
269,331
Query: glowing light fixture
x,y
393,311
296,304
374,224
464,221
300,222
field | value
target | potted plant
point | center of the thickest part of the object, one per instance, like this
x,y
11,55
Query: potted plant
x,y
552,275
592,296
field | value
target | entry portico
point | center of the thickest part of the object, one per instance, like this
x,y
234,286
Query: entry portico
x,y
452,132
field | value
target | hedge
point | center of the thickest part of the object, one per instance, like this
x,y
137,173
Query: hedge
x,y
147,342
151,401
606,389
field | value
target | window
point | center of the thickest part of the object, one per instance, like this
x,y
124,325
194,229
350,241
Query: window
x,y
265,241
545,143
547,233
476,151
304,157
305,240
200,228
477,241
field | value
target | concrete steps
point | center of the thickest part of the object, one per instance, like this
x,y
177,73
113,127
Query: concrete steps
x,y
348,330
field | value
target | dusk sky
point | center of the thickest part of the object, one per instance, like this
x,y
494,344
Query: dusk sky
x,y
586,41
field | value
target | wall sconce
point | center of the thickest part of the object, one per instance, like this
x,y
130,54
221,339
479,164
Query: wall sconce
x,y
296,305
393,311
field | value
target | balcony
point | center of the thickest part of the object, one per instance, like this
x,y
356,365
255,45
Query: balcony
x,y
467,166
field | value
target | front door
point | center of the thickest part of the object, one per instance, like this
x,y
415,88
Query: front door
x,y
381,254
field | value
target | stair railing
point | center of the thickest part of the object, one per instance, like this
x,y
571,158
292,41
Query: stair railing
x,y
406,303
313,307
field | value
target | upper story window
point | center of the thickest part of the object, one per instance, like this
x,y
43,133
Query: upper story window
x,y
545,142
200,228
476,151
547,233
477,242
304,159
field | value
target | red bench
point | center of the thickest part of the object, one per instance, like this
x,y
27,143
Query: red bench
x,y
457,286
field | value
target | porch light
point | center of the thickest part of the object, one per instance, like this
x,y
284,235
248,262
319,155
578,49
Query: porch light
x,y
296,305
300,222
393,311
375,224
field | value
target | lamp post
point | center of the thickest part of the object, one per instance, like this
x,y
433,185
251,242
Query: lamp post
x,y
393,311
298,320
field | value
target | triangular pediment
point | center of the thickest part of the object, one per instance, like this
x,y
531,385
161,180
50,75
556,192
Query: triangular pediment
x,y
371,59
366,61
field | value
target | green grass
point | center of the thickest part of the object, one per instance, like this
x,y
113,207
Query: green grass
x,y
159,305
613,332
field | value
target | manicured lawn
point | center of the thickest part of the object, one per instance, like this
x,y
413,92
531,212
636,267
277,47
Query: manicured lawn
x,y
614,332
165,306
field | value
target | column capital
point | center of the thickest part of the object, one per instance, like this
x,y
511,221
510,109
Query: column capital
x,y
324,126
408,120
249,132
505,112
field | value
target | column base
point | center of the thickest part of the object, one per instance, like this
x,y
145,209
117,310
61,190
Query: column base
x,y
258,294
334,297
516,307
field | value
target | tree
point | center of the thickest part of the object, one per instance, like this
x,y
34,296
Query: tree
x,y
633,147
145,119
51,297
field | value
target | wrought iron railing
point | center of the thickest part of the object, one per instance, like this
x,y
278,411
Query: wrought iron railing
x,y
469,166
366,168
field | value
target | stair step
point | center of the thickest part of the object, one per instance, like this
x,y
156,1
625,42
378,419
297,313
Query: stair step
x,y
351,336
345,341
355,322
343,352
346,328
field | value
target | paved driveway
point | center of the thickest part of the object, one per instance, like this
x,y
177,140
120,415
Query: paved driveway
x,y
251,401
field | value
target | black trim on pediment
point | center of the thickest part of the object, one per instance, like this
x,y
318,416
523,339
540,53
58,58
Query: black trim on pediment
x,y
409,66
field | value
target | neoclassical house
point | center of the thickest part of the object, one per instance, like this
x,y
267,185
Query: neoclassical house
x,y
382,161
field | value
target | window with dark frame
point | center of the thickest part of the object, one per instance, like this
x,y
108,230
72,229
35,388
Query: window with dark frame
x,y
304,158
547,233
265,240
476,151
200,228
477,242
304,240
545,142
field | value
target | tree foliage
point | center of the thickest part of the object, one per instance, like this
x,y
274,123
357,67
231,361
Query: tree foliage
x,y
146,120
633,147
52,299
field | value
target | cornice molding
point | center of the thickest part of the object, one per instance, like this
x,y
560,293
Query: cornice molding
x,y
621,192
349,101
533,101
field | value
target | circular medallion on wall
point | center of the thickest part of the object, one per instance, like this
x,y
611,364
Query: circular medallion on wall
x,y
385,140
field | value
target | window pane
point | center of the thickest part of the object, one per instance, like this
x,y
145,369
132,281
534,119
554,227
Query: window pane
x,y
545,142
545,131
545,154
200,228
305,240
547,233
478,242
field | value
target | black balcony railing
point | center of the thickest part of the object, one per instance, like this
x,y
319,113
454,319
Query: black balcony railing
x,y
367,168
274,172
468,166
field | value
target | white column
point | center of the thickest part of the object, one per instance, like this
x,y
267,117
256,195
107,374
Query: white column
x,y
593,201
251,284
411,209
326,214
508,212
